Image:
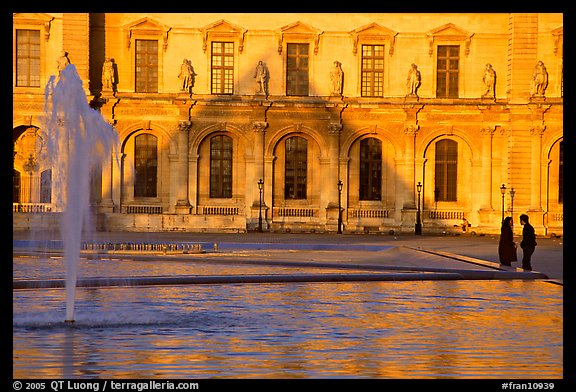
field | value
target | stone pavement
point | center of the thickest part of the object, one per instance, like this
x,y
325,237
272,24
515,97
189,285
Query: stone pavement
x,y
425,252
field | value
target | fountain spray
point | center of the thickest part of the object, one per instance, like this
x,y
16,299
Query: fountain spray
x,y
79,141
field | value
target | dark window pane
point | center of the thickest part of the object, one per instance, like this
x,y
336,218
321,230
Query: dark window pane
x,y
145,165
28,58
372,71
370,169
295,174
561,174
446,170
16,184
46,186
447,68
297,69
146,66
222,71
221,166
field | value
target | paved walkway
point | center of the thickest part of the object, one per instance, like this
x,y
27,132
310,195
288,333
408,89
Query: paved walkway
x,y
418,252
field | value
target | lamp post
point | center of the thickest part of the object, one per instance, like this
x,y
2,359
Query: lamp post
x,y
340,185
512,193
436,194
260,188
418,228
503,191
30,167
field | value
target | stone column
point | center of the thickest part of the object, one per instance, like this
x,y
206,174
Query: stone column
x,y
259,130
193,183
409,166
107,204
485,187
332,176
117,160
411,128
182,203
535,166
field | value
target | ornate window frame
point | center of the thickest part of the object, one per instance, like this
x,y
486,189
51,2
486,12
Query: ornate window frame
x,y
373,34
146,29
299,33
32,21
222,31
450,34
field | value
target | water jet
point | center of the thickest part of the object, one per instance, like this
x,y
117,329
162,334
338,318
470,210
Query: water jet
x,y
79,141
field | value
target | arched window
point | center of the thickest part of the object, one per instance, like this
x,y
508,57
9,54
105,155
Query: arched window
x,y
145,165
16,183
46,186
370,169
446,169
296,168
561,174
221,166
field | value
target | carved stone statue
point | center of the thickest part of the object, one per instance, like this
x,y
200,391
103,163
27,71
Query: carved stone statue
x,y
489,80
62,61
108,79
539,80
413,81
186,76
336,76
261,75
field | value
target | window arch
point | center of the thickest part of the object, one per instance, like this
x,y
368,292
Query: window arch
x,y
145,165
370,169
446,170
221,166
295,172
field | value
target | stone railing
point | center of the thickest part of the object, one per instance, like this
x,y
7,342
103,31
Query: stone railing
x,y
219,210
378,214
31,207
446,215
296,212
143,209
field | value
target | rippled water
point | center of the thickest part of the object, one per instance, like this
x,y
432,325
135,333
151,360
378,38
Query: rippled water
x,y
423,329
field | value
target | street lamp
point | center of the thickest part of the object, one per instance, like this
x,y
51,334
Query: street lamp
x,y
436,194
418,228
340,185
512,193
260,188
503,191
30,167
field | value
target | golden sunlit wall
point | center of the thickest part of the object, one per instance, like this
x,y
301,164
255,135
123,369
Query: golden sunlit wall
x,y
508,131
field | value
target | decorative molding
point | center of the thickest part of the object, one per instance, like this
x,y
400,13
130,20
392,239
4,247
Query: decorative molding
x,y
373,33
558,34
411,128
223,29
184,126
334,128
38,19
446,33
299,32
259,126
488,130
146,27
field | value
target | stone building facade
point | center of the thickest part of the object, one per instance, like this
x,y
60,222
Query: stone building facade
x,y
388,118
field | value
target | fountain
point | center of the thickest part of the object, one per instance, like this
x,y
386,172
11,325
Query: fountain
x,y
79,140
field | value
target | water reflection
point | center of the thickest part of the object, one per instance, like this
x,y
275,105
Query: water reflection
x,y
428,329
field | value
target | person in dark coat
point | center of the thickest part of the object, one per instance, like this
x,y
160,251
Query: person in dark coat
x,y
528,243
507,246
